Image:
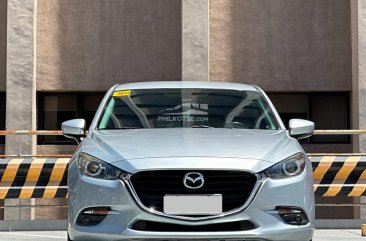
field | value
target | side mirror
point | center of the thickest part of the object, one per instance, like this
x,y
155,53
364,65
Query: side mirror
x,y
301,129
74,129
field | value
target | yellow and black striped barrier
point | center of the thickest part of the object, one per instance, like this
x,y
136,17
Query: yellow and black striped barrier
x,y
33,178
339,175
45,177
334,175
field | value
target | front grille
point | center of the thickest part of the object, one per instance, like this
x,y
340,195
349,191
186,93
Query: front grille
x,y
151,226
234,186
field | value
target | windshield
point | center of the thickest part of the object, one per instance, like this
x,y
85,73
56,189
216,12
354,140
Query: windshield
x,y
187,108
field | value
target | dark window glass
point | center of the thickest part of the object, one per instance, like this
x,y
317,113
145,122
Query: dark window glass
x,y
88,105
290,106
55,108
328,110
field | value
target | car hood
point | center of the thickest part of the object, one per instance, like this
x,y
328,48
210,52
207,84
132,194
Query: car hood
x,y
141,144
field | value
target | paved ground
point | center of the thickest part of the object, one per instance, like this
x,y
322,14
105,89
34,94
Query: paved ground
x,y
337,235
33,236
320,235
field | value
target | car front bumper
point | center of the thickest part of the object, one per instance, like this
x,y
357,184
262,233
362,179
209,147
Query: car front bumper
x,y
85,192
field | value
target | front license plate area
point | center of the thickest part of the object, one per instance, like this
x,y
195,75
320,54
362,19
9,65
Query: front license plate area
x,y
193,204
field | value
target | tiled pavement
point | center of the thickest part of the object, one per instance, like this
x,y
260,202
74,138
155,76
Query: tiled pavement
x,y
320,235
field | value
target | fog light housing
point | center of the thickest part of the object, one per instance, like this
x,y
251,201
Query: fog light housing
x,y
92,216
293,215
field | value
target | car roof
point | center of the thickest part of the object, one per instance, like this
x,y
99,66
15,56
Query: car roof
x,y
185,85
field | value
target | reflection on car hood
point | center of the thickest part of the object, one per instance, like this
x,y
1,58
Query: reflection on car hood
x,y
119,145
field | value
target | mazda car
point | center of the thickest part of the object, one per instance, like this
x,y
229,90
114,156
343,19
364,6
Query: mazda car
x,y
183,160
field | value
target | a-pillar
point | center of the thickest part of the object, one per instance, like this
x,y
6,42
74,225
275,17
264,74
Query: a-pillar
x,y
20,87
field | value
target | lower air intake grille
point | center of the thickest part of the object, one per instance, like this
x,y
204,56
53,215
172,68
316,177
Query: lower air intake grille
x,y
142,225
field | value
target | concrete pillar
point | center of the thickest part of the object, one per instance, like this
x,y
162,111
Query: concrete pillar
x,y
21,88
195,39
360,84
359,78
20,74
354,95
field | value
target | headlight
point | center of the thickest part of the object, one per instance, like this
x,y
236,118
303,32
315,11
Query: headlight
x,y
93,167
290,167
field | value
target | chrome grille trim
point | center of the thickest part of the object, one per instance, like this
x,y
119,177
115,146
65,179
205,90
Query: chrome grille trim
x,y
257,185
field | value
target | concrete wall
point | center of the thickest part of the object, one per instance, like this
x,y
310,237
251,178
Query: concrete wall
x,y
3,16
93,44
282,44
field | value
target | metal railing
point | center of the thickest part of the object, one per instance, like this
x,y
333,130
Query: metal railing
x,y
339,132
22,133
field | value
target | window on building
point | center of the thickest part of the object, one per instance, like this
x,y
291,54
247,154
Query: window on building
x,y
55,108
328,110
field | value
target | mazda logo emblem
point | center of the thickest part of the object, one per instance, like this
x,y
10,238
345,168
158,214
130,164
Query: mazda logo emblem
x,y
193,180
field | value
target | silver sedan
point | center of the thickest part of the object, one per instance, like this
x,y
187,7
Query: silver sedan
x,y
189,160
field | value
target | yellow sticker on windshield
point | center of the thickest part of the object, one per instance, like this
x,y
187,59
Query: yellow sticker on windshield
x,y
122,93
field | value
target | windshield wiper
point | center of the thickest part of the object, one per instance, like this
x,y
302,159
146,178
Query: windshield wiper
x,y
130,127
120,128
202,126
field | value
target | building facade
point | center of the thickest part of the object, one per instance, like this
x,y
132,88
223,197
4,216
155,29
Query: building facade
x,y
58,57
